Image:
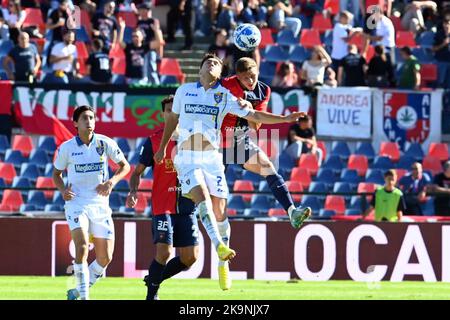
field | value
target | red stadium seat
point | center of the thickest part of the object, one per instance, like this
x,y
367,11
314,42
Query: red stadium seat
x,y
7,172
146,184
244,185
119,66
86,21
276,212
12,198
82,63
332,5
359,40
433,164
400,173
269,147
6,208
295,186
40,44
397,22
368,55
391,150
266,38
366,187
130,18
23,143
231,212
310,38
359,163
321,23
405,39
439,150
321,145
309,161
302,176
46,182
428,73
142,203
336,203
33,18
82,50
116,51
171,67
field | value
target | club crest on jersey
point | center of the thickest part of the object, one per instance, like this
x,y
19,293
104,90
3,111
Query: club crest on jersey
x,y
100,148
218,97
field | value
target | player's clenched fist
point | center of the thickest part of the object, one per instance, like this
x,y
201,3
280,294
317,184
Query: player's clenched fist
x,y
131,199
104,189
68,193
159,156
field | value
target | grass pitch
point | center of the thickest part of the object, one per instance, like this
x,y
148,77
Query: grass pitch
x,y
48,288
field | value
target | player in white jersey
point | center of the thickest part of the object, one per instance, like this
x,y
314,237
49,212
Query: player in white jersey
x,y
85,157
199,109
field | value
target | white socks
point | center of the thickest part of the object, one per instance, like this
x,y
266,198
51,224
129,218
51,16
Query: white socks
x,y
95,272
225,233
82,279
206,214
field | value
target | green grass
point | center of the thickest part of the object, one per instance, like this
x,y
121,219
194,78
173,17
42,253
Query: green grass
x,y
43,288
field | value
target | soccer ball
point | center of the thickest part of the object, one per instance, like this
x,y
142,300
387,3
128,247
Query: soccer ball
x,y
246,37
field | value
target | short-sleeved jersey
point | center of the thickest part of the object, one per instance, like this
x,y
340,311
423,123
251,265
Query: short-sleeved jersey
x,y
203,111
87,166
166,196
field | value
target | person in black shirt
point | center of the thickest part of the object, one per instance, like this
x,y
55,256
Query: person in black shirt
x,y
351,72
151,28
380,72
302,139
441,51
57,21
104,25
98,64
222,49
180,10
441,185
25,58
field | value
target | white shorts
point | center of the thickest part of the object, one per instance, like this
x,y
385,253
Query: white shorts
x,y
201,167
94,218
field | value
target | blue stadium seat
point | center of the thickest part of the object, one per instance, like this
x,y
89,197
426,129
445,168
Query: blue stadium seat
x,y
21,182
231,176
299,54
253,177
30,171
37,198
168,79
58,199
285,161
133,157
48,172
383,163
375,176
27,208
415,150
4,145
311,201
318,187
267,69
326,176
423,55
5,47
49,208
2,184
15,157
365,149
261,202
426,39
356,203
47,144
334,163
123,210
237,203
327,38
40,158
351,176
352,212
428,208
148,174
82,35
122,185
326,214
140,142
286,38
115,201
341,149
266,79
264,186
253,213
343,187
275,54
124,146
405,162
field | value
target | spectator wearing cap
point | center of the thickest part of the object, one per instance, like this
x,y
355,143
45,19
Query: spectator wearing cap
x,y
14,17
352,70
98,65
151,28
441,188
410,72
380,72
25,59
413,186
180,11
104,25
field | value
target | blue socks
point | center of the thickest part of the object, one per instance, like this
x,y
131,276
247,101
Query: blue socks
x,y
173,267
280,190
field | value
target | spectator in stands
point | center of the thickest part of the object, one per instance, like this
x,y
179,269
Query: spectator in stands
x,y
88,5
221,48
330,78
441,49
313,70
286,76
306,9
413,186
255,12
412,18
140,58
380,72
410,72
98,65
229,13
180,11
104,25
342,34
64,60
302,139
388,200
353,68
441,186
151,28
280,16
4,30
14,17
57,21
382,32
25,58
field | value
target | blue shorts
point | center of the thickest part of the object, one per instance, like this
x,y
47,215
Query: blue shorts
x,y
178,230
242,150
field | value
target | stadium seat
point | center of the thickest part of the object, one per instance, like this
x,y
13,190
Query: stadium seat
x,y
47,144
33,18
428,73
343,187
141,204
358,40
366,187
168,79
311,201
231,176
52,208
251,213
27,208
391,150
244,185
415,150
285,161
428,208
237,203
86,20
275,53
15,157
270,148
12,198
81,35
23,143
4,145
309,161
7,172
325,214
405,162
276,212
321,145
359,163
119,66
299,54
46,182
286,38
124,145
5,47
2,185
146,184
375,176
318,187
148,174
439,150
334,163
253,177
266,38
116,51
310,38
133,157
336,203
82,50
356,203
351,176
432,164
264,187
401,173
302,176
423,55
6,208
267,68
383,163
40,158
123,186
326,176
405,39
321,23
261,202
295,186
332,6
48,171
129,17
115,201
426,39
123,210
397,22
171,66
352,212
341,149
37,198
366,149
58,199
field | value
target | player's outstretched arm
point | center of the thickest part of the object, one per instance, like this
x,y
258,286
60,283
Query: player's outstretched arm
x,y
169,128
270,118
